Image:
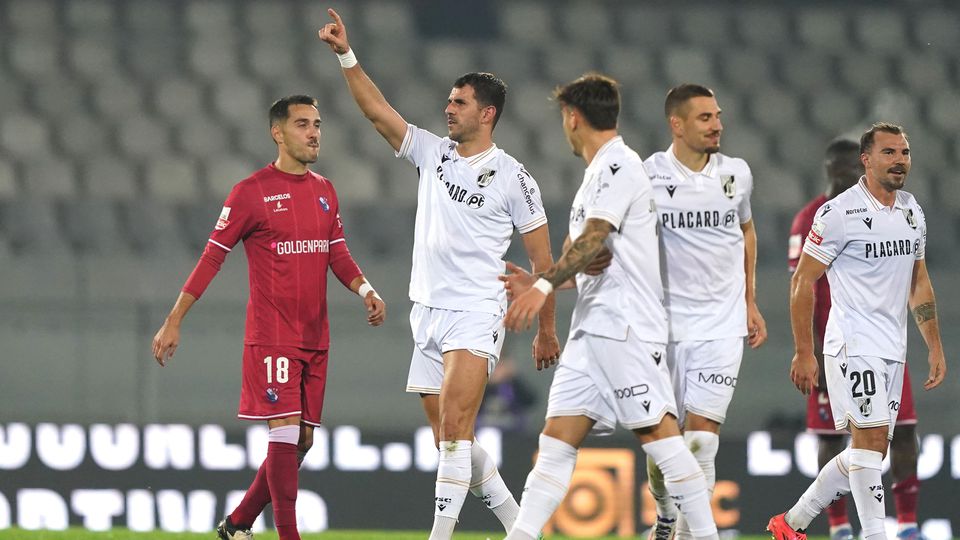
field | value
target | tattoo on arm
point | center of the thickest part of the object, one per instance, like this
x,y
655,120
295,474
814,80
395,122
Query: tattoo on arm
x,y
581,252
925,312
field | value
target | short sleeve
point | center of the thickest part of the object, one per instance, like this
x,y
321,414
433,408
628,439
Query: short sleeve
x,y
524,202
615,191
417,145
237,220
921,251
744,209
827,235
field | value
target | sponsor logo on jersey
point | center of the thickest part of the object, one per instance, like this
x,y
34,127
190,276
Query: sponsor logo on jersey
x,y
277,197
826,208
223,220
475,200
697,219
527,191
670,190
816,232
868,222
280,208
657,356
296,247
614,168
856,211
324,204
660,176
577,214
888,248
911,219
729,185
486,176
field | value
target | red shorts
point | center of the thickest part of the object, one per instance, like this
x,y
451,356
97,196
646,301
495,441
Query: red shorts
x,y
279,382
820,419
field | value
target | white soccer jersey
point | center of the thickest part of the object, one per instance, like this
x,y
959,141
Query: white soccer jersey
x,y
701,243
628,294
467,209
871,250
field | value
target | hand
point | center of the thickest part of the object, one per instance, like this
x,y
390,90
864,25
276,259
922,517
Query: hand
x,y
756,326
518,281
803,372
335,34
938,370
165,342
599,263
524,310
376,309
546,349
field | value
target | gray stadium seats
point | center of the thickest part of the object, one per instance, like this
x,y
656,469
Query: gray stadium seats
x,y
354,180
91,15
823,28
709,25
807,71
203,137
50,178
91,226
182,100
936,27
585,24
142,136
117,97
685,64
526,22
764,27
646,24
223,172
8,181
34,57
893,24
21,134
151,15
31,15
94,55
111,178
172,179
264,18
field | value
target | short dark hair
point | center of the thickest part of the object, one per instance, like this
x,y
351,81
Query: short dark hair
x,y
490,90
866,140
280,110
680,95
839,147
596,96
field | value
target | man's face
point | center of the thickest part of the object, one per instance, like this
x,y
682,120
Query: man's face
x,y
300,133
888,161
463,113
699,126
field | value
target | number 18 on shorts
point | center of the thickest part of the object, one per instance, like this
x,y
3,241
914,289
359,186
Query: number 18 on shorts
x,y
280,382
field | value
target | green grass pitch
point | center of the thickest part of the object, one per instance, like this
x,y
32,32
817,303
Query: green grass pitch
x,y
121,534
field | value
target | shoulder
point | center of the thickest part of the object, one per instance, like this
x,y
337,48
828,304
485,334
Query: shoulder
x,y
621,161
732,165
656,161
252,184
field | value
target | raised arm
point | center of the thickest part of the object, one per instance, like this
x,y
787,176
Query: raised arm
x,y
374,106
546,346
923,304
803,368
756,326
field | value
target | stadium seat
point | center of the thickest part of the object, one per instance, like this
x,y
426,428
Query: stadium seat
x,y
563,63
823,28
90,15
81,136
31,227
270,58
172,178
683,64
881,29
937,28
59,97
117,98
923,72
94,55
151,16
211,16
263,18
585,24
50,178
746,69
155,55
743,140
709,25
37,277
645,24
34,57
775,108
526,22
835,111
865,71
143,136
181,100
203,137
764,28
942,110
214,56
31,15
236,99
806,71
223,172
110,178
8,181
354,180
150,227
22,134
446,59
91,225
629,66
515,138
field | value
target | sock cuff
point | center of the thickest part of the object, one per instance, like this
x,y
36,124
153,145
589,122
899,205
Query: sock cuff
x,y
861,458
551,445
455,449
284,434
705,442
908,484
662,449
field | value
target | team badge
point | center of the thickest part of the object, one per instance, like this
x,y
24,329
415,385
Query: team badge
x,y
324,204
223,220
729,186
486,176
866,407
273,394
816,233
911,219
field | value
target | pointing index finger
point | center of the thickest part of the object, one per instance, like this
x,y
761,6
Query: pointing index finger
x,y
335,16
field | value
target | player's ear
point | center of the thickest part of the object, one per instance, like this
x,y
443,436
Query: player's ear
x,y
276,133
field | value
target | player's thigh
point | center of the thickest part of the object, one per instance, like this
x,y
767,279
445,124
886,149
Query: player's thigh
x,y
478,332
710,377
464,379
271,382
577,390
864,391
426,362
313,385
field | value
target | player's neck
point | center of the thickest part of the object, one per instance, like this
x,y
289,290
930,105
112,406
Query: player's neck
x,y
287,164
691,159
883,196
594,141
473,147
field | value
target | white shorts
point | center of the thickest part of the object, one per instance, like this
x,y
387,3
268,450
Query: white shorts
x,y
864,390
705,375
612,381
436,331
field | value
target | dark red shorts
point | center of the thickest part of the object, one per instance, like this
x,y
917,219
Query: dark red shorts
x,y
820,419
279,382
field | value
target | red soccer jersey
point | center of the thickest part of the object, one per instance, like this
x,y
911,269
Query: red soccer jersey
x,y
798,235
291,231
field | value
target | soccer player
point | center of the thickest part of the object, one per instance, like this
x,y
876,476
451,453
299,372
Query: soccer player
x,y
709,254
470,198
871,242
612,369
289,220
844,170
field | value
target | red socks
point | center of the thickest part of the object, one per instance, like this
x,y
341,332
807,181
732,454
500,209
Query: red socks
x,y
905,499
254,501
282,478
837,512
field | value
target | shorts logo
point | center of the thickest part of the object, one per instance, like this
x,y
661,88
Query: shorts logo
x,y
223,220
718,379
496,335
324,204
442,502
646,405
877,492
632,391
843,369
273,394
894,406
729,186
866,407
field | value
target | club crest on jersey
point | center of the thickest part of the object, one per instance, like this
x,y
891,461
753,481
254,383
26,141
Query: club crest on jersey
x,y
273,394
324,204
223,220
486,176
729,186
911,219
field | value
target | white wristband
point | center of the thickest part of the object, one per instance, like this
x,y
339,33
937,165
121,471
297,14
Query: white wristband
x,y
543,286
366,288
347,59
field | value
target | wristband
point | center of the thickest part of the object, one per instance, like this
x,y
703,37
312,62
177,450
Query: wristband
x,y
543,286
347,59
366,288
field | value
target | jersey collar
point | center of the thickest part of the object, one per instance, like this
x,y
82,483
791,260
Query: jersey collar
x,y
872,201
480,159
606,146
709,170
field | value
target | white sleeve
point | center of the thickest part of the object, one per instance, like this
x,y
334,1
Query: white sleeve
x,y
827,236
921,251
746,213
524,202
615,192
417,145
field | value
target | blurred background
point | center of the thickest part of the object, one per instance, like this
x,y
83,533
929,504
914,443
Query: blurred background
x,y
123,125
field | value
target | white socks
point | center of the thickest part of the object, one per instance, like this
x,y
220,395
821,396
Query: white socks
x,y
487,485
685,483
453,481
867,489
546,486
832,482
703,445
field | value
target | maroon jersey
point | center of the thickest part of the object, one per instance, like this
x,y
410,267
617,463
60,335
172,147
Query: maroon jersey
x,y
291,231
798,235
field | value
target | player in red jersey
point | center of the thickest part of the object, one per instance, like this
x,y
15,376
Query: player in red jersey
x,y
844,169
288,218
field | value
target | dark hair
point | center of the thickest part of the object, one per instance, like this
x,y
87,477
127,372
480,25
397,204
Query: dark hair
x,y
841,146
866,140
596,96
489,90
680,95
280,110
